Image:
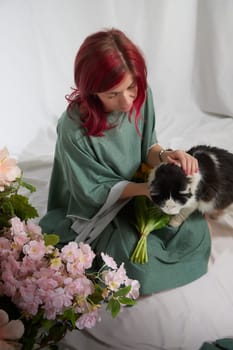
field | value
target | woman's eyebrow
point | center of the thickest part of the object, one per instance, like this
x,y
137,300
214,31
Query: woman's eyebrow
x,y
113,92
118,92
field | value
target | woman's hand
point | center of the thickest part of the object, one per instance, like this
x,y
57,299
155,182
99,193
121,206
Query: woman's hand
x,y
188,163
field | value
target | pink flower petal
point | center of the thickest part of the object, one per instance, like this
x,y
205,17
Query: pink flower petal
x,y
12,330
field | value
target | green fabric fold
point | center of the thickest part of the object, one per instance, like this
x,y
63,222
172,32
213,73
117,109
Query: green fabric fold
x,y
220,344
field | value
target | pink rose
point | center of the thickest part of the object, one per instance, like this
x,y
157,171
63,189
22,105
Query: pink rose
x,y
109,261
88,320
9,171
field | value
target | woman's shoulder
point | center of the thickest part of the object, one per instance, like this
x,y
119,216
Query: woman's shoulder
x,y
69,125
70,119
148,105
149,93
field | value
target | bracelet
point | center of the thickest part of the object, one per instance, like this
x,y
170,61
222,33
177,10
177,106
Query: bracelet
x,y
161,152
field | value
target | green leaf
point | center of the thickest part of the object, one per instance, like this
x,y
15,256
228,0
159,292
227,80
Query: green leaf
x,y
55,333
28,186
122,292
114,306
96,297
29,337
37,318
71,316
51,239
22,208
126,301
7,207
46,324
8,190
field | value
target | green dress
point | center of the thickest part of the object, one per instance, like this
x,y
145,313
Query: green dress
x,y
88,176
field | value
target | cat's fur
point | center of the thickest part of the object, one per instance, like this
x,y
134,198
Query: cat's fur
x,y
209,191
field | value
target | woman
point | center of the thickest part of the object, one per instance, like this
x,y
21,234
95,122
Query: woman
x,y
104,135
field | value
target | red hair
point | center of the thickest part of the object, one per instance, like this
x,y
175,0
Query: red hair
x,y
100,64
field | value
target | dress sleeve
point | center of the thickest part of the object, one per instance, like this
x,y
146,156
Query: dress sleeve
x,y
149,120
84,191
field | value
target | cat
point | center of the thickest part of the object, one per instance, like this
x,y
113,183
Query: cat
x,y
210,190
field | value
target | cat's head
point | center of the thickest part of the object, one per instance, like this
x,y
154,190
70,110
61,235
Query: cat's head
x,y
171,189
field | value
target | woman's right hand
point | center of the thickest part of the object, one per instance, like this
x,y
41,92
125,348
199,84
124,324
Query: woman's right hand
x,y
134,189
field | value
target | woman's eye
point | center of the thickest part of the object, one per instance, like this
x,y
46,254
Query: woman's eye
x,y
132,86
112,96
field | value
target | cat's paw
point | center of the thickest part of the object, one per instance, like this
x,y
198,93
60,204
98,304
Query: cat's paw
x,y
176,220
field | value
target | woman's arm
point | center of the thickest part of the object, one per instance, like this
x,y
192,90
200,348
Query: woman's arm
x,y
134,189
153,158
157,154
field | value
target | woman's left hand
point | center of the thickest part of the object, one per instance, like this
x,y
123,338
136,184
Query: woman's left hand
x,y
188,163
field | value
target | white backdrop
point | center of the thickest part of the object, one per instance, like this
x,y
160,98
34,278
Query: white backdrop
x,y
187,45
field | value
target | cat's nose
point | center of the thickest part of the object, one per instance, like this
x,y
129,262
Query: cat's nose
x,y
170,204
171,207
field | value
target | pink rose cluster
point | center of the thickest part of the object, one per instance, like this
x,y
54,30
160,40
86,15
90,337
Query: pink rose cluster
x,y
9,171
38,276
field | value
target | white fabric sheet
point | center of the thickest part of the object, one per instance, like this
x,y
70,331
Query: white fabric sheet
x,y
189,51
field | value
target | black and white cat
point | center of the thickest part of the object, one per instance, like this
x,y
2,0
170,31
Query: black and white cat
x,y
209,191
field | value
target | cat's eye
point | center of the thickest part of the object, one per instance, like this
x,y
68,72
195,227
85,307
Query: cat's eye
x,y
184,192
154,193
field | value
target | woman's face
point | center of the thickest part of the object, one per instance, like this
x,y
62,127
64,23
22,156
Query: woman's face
x,y
120,98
